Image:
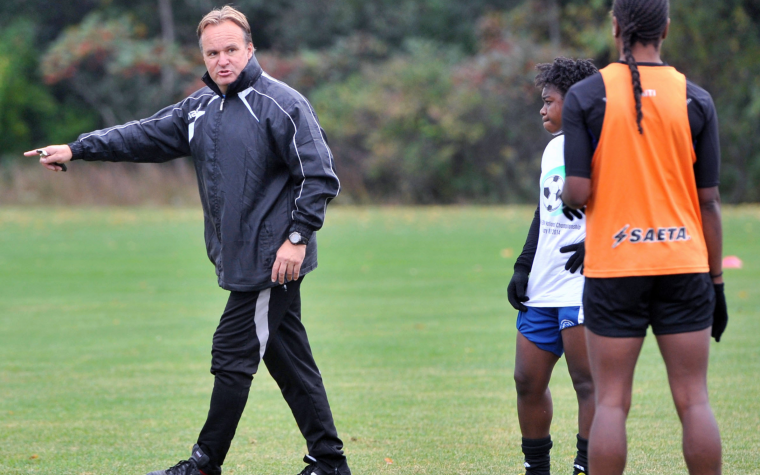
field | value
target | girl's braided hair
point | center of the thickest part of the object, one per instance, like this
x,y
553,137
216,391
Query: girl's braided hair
x,y
640,21
563,73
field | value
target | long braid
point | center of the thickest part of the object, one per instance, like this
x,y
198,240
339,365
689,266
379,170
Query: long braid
x,y
640,21
635,79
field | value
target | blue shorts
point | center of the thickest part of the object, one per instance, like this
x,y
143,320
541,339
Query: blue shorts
x,y
542,325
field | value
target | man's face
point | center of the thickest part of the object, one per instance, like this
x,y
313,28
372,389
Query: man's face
x,y
225,52
551,112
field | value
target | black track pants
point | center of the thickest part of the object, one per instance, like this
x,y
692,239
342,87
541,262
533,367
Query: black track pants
x,y
267,323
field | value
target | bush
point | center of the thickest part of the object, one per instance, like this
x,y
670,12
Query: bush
x,y
433,126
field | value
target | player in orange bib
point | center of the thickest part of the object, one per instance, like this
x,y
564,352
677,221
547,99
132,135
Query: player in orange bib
x,y
642,152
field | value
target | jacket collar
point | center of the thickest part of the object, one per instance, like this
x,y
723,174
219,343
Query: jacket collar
x,y
248,76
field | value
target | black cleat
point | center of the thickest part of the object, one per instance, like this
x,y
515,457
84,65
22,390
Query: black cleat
x,y
198,464
315,468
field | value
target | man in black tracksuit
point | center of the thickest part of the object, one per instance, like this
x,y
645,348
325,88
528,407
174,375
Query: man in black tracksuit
x,y
265,175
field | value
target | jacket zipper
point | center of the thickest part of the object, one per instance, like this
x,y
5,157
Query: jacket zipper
x,y
216,201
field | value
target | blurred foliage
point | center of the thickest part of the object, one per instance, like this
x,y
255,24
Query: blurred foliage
x,y
424,101
717,44
111,69
431,125
22,102
29,112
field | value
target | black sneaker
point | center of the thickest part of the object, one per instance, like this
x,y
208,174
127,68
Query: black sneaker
x,y
198,464
314,468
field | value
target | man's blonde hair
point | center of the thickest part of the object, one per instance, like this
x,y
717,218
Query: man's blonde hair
x,y
220,15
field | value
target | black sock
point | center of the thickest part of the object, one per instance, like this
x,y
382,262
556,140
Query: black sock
x,y
580,465
537,455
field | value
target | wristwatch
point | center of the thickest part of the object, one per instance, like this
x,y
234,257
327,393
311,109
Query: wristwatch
x,y
296,238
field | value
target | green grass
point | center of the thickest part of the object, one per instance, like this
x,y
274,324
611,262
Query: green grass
x,y
106,319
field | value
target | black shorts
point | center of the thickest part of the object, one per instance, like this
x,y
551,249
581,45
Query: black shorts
x,y
625,306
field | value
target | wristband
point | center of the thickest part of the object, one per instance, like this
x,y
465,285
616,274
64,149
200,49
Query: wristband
x,y
716,275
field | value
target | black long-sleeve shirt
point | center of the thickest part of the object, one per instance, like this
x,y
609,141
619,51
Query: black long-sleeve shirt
x,y
524,261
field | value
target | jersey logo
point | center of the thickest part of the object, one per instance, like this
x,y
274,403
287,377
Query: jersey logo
x,y
649,235
551,192
649,93
620,236
196,114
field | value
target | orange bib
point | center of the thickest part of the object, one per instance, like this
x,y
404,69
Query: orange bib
x,y
643,213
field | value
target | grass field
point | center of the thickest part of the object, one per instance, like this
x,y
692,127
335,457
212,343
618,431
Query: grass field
x,y
106,319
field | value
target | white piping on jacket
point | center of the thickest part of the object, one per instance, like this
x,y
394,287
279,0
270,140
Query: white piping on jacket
x,y
329,152
300,192
144,121
242,95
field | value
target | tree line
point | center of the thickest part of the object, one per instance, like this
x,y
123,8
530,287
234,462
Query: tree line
x,y
423,101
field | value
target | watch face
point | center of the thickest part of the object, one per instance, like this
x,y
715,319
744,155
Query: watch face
x,y
295,237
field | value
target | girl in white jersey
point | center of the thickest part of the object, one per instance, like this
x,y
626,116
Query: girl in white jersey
x,y
547,289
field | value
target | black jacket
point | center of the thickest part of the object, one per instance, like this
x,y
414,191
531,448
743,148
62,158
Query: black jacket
x,y
263,164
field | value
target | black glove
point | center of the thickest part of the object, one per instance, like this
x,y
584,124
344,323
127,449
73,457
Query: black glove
x,y
720,314
516,290
571,213
576,260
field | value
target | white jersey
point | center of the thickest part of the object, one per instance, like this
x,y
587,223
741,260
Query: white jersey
x,y
550,285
